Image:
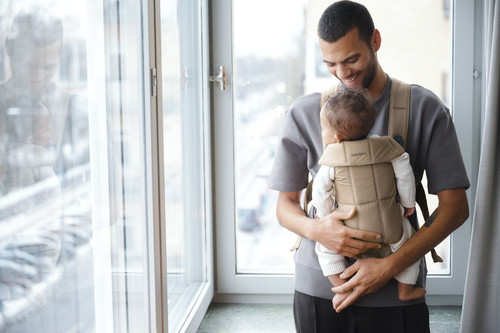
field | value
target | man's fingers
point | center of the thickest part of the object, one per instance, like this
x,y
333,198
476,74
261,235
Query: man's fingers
x,y
350,287
362,245
360,234
344,240
353,247
344,288
353,297
340,215
353,233
349,271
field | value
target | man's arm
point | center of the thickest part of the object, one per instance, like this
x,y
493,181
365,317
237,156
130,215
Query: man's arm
x,y
330,231
369,275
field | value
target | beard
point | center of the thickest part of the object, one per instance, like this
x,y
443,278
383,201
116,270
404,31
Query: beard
x,y
371,70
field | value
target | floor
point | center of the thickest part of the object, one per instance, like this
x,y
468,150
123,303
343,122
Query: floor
x,y
275,318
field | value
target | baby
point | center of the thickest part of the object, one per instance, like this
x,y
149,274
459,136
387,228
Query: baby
x,y
367,174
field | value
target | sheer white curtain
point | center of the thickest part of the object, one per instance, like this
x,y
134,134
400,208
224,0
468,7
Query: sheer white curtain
x,y
482,292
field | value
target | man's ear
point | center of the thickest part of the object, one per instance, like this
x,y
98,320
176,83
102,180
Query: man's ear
x,y
376,40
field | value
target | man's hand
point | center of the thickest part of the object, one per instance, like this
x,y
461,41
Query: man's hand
x,y
331,232
368,276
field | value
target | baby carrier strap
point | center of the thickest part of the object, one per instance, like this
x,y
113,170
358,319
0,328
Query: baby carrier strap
x,y
399,115
399,111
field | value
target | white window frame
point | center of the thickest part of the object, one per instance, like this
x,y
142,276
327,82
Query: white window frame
x,y
231,286
155,176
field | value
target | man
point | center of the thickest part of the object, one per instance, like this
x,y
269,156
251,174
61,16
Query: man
x,y
349,44
34,45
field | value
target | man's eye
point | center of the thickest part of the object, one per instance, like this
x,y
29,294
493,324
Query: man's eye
x,y
352,60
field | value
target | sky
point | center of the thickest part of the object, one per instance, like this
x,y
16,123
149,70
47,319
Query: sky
x,y
256,31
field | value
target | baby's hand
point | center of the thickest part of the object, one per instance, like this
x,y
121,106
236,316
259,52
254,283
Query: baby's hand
x,y
408,211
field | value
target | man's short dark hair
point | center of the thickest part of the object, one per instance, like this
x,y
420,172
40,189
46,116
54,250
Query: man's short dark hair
x,y
343,16
351,113
35,25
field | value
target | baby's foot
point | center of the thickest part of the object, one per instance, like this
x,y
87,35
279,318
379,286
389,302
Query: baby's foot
x,y
407,292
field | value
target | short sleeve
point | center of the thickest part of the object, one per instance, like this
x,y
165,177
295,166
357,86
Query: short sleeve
x,y
289,172
445,168
297,150
433,143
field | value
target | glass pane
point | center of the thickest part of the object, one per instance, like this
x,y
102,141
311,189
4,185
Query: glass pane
x,y
264,85
278,60
72,185
183,132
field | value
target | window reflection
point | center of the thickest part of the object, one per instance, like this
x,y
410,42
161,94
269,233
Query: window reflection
x,y
72,203
45,214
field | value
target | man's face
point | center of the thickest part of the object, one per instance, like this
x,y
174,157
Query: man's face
x,y
35,66
350,60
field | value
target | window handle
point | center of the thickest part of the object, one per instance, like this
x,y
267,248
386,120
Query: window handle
x,y
185,77
221,78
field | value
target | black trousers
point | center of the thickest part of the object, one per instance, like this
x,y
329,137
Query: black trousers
x,y
316,315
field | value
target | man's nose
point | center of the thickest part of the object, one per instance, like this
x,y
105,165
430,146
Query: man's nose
x,y
37,74
343,71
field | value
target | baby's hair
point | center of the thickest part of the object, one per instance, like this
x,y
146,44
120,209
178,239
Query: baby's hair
x,y
350,113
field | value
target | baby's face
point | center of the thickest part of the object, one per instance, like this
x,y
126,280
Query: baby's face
x,y
327,132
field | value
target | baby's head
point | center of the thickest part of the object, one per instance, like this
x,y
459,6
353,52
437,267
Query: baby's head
x,y
349,114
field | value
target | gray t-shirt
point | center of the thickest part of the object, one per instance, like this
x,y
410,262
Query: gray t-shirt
x,y
432,145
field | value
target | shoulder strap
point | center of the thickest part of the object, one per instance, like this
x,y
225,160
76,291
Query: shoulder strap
x,y
399,110
399,115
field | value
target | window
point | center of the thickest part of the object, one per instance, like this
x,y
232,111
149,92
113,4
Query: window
x,y
185,157
273,64
84,141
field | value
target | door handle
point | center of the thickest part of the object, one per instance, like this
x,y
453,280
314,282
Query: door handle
x,y
221,78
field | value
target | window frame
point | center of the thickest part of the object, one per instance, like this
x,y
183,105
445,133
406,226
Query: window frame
x,y
155,157
441,289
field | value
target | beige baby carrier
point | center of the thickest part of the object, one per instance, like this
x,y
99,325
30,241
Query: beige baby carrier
x,y
364,180
399,110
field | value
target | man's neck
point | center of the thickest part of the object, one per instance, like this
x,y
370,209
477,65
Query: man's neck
x,y
377,86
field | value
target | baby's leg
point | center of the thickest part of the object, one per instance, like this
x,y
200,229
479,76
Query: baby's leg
x,y
407,278
408,292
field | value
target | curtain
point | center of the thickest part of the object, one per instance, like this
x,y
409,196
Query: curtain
x,y
481,307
